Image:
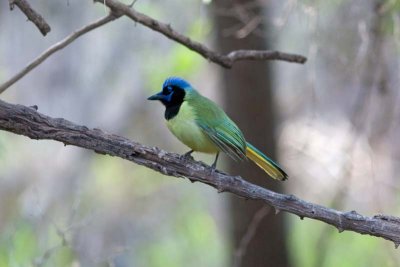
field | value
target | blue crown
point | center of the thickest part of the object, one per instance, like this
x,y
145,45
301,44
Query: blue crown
x,y
178,82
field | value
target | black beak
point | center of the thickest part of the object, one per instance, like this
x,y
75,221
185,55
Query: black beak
x,y
157,96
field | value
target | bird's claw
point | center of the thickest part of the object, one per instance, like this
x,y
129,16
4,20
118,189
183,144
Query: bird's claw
x,y
214,165
187,156
213,169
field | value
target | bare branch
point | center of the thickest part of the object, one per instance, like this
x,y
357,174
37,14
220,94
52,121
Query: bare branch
x,y
32,15
118,9
54,48
226,61
264,55
250,233
27,121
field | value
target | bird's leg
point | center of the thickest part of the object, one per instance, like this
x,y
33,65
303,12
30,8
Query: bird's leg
x,y
187,155
214,165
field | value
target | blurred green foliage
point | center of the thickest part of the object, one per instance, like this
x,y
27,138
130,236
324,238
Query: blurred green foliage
x,y
22,245
182,61
345,249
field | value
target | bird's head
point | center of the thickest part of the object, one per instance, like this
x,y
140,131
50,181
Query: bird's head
x,y
173,92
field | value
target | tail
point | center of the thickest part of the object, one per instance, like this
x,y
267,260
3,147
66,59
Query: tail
x,y
265,163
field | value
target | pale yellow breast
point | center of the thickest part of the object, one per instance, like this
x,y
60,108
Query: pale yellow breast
x,y
184,127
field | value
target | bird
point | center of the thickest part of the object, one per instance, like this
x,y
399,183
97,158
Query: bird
x,y
203,126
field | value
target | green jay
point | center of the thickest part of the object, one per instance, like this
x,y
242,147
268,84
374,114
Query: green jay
x,y
204,127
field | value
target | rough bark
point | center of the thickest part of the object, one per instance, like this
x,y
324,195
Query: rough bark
x,y
27,121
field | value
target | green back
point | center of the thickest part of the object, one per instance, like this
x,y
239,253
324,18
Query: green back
x,y
222,131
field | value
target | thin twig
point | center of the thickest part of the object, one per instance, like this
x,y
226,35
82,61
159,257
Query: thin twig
x,y
32,15
54,48
43,259
27,121
250,232
226,61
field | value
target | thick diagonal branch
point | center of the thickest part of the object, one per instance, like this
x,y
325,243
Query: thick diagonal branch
x,y
27,121
32,15
226,61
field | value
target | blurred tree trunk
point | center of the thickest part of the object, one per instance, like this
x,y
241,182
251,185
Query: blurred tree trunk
x,y
248,101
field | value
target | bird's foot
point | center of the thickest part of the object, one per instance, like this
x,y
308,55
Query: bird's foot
x,y
213,168
187,156
214,165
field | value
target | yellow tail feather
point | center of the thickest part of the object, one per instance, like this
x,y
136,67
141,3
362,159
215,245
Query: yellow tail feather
x,y
270,167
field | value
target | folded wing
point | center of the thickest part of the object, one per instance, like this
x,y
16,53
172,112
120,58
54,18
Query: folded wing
x,y
221,130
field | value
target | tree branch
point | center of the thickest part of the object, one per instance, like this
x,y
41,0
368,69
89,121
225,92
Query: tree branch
x,y
27,121
226,61
32,15
118,9
54,48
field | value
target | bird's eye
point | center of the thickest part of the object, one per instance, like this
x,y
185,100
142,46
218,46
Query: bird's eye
x,y
167,90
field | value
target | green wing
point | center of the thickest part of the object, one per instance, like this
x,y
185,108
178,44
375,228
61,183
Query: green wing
x,y
222,131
